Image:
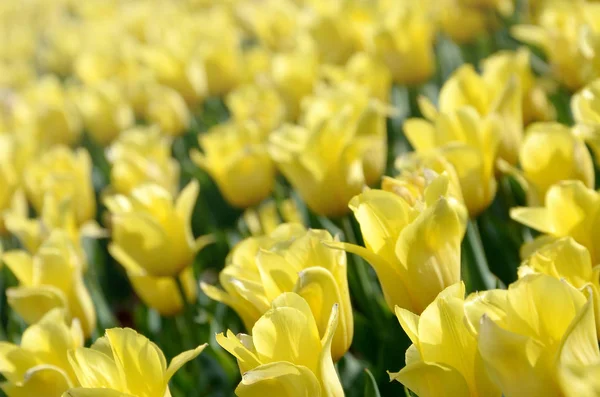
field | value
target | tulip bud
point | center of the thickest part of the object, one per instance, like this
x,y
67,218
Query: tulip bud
x,y
270,360
151,231
51,278
412,236
550,153
39,365
443,359
235,156
289,259
119,364
66,176
166,108
142,155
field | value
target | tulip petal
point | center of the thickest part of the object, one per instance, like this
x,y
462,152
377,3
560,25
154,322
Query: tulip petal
x,y
95,392
330,381
41,380
184,205
277,274
410,324
32,303
535,217
279,379
20,264
420,133
580,344
181,359
95,369
432,380
247,360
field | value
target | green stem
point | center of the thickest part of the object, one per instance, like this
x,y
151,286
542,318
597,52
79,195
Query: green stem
x,y
479,276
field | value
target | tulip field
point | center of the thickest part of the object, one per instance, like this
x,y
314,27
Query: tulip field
x,y
299,198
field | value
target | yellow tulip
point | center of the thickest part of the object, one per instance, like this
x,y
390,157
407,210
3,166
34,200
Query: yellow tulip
x,y
9,182
66,176
570,209
443,359
467,141
404,41
152,231
104,110
166,108
39,365
501,66
259,103
366,70
51,278
43,107
265,218
332,32
524,344
416,252
270,360
339,147
236,157
124,363
550,153
585,106
290,258
142,155
502,101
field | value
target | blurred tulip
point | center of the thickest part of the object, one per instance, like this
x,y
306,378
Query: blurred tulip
x,y
404,41
166,108
39,365
465,140
9,183
258,103
550,153
501,66
501,101
124,362
66,176
152,231
51,278
105,111
339,147
265,218
44,107
235,156
570,209
443,359
142,155
525,346
585,106
412,235
270,360
290,258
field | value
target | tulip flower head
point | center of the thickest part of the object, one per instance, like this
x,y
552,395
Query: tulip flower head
x,y
39,365
51,278
290,258
270,360
124,363
585,106
412,235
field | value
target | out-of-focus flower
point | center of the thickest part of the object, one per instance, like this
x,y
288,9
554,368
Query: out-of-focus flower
x,y
290,258
443,359
9,182
412,235
567,260
560,32
124,362
366,70
267,217
339,147
66,176
270,360
166,108
570,209
39,365
525,346
404,41
466,140
585,106
259,103
46,111
142,155
152,232
105,111
236,157
51,278
501,101
551,153
499,68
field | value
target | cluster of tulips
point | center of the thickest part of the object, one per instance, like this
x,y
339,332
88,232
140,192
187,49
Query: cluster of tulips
x,y
299,198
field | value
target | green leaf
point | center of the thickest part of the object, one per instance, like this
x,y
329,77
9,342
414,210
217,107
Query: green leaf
x,y
371,389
